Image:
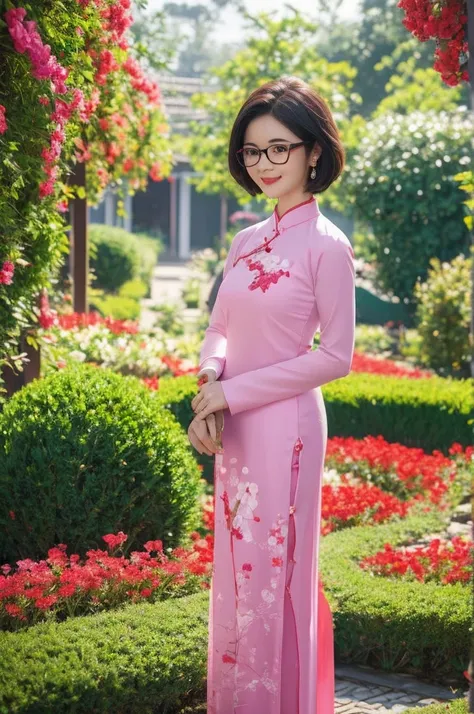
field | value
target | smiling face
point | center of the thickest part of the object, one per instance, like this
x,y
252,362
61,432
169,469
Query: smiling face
x,y
286,182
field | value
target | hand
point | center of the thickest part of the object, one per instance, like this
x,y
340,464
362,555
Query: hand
x,y
200,438
215,425
210,399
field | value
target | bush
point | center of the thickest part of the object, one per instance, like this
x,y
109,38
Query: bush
x,y
403,185
429,413
118,307
115,256
444,313
86,452
135,289
142,659
391,624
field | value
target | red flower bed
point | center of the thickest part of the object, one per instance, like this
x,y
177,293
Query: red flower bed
x,y
66,587
440,561
404,470
376,365
76,320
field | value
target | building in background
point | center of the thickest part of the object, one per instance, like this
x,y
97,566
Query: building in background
x,y
172,209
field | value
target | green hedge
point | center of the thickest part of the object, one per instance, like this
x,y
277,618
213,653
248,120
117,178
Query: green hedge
x,y
85,452
143,659
392,624
427,413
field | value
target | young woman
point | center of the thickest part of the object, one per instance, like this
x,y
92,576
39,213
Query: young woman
x,y
270,626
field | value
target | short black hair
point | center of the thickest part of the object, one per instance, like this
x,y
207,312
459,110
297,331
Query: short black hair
x,y
302,110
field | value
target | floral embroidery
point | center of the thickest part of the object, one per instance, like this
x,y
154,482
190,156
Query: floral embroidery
x,y
270,269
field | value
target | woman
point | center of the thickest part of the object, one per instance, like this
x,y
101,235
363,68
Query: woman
x,y
270,626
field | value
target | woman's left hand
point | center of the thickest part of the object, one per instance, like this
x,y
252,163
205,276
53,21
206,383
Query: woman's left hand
x,y
209,400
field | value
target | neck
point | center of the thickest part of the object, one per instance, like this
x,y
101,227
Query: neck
x,y
285,203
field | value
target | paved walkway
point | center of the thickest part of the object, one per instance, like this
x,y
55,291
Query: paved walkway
x,y
166,287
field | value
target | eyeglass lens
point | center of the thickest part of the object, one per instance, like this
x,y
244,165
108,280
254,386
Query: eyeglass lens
x,y
277,154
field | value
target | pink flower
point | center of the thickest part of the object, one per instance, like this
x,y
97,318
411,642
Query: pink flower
x,y
6,273
3,121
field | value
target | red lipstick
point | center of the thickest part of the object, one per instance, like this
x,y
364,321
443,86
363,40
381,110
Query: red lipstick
x,y
269,181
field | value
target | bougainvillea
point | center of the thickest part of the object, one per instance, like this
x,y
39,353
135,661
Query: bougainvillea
x,y
446,22
74,91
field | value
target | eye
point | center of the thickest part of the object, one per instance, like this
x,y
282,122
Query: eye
x,y
279,149
250,152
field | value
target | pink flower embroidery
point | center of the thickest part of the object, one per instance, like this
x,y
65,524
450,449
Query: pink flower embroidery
x,y
270,269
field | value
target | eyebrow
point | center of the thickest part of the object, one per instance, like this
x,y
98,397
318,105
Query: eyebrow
x,y
288,141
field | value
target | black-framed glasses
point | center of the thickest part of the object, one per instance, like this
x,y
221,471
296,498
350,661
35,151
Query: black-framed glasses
x,y
276,153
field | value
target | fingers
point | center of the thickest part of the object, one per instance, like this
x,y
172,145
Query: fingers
x,y
197,443
212,427
200,430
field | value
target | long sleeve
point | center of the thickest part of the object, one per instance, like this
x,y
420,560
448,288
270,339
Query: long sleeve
x,y
213,348
334,291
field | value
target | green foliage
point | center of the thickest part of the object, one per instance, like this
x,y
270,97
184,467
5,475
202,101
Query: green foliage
x,y
430,413
135,289
142,659
118,307
169,319
443,313
411,87
274,48
86,452
391,624
402,183
192,292
114,256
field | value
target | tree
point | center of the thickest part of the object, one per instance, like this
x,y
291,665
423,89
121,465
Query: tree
x,y
274,48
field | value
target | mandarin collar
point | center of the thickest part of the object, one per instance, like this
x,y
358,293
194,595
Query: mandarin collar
x,y
300,213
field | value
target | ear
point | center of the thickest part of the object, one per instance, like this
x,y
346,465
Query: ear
x,y
316,152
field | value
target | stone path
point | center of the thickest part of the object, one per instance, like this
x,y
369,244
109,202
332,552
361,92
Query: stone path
x,y
363,690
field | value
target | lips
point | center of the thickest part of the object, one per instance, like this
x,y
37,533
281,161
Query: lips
x,y
269,181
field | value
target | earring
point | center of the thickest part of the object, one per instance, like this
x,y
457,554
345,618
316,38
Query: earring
x,y
313,173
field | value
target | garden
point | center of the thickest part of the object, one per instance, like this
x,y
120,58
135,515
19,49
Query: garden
x,y
106,511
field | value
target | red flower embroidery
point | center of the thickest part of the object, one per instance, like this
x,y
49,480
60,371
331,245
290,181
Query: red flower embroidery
x,y
247,566
227,659
270,270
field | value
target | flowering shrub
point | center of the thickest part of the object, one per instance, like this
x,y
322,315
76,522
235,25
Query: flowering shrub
x,y
398,157
446,22
61,586
377,365
440,561
116,344
76,94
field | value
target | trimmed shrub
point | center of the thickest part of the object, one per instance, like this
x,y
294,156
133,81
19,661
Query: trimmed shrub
x,y
142,659
443,313
135,289
429,413
392,624
115,256
86,452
